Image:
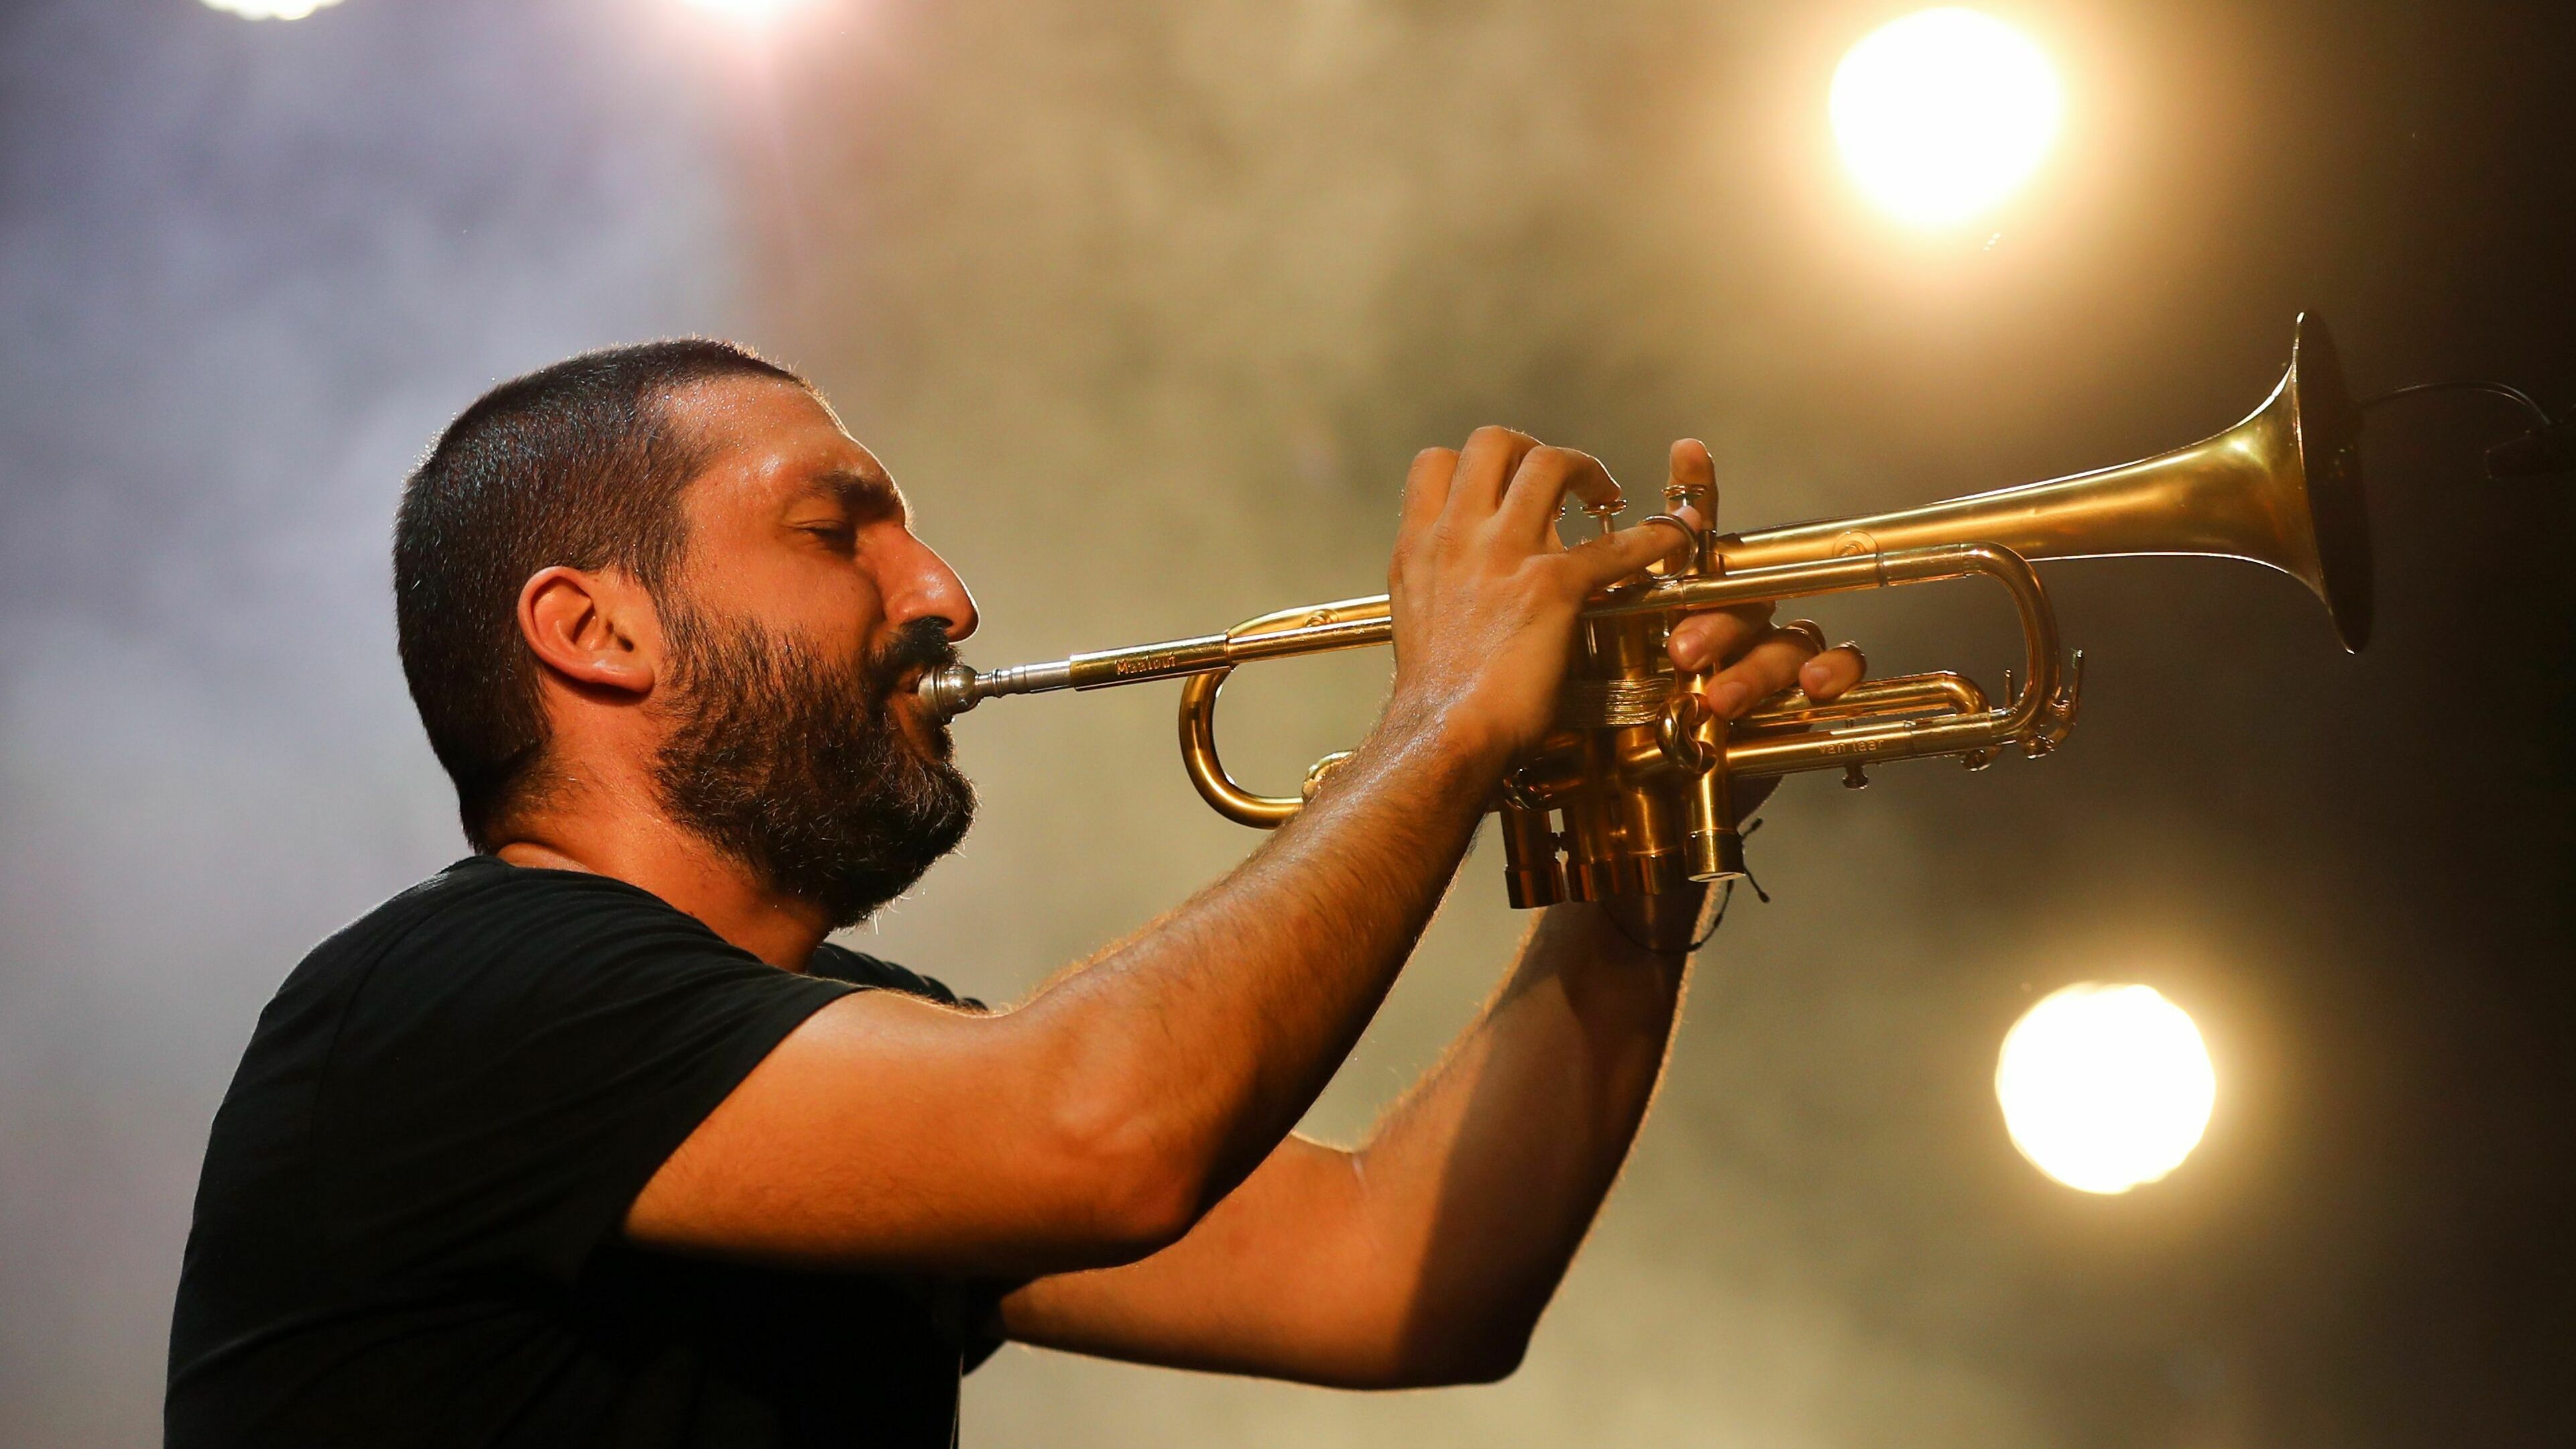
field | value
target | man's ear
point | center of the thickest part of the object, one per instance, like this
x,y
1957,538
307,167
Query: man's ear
x,y
597,630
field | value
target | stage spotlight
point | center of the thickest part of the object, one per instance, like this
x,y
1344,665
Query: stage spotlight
x,y
746,9
1942,113
270,9
2105,1087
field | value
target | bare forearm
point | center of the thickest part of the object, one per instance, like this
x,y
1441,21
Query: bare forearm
x,y
1427,1256
1480,1187
1211,1031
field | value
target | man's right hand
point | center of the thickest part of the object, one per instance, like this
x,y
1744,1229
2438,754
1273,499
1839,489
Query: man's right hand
x,y
1484,594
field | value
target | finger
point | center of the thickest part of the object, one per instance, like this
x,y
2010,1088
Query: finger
x,y
1767,668
1426,488
1692,470
1690,514
1828,674
1484,467
1705,641
1539,487
1600,562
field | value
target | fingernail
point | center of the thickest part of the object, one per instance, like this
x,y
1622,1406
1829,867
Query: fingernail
x,y
1728,698
1690,655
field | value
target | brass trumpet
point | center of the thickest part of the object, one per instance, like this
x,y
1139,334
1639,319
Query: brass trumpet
x,y
1637,766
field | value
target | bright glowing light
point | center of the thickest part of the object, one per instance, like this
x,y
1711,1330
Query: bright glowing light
x,y
2105,1087
270,9
1941,114
746,9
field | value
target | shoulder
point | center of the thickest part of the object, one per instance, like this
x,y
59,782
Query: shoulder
x,y
484,910
505,906
497,1060
502,954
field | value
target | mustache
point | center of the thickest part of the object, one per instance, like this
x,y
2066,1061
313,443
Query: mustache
x,y
923,643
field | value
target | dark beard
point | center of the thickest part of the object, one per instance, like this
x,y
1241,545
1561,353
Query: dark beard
x,y
797,768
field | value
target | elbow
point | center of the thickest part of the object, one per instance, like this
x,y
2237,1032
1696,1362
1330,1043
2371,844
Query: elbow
x,y
1491,1366
1489,1361
1463,1343
1131,1189
1143,1209
1438,1351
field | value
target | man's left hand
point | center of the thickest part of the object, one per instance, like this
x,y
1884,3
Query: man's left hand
x,y
1751,659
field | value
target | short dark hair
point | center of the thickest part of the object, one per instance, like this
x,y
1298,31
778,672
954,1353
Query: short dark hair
x,y
577,464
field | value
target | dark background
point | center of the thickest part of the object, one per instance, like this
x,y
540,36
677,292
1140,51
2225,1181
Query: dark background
x,y
1147,304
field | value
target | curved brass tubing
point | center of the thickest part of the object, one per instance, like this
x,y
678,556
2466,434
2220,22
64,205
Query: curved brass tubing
x,y
1905,717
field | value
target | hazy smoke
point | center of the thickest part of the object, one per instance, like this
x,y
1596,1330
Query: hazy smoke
x,y
246,273
1147,304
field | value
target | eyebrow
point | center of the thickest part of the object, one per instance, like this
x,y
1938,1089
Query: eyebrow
x,y
864,495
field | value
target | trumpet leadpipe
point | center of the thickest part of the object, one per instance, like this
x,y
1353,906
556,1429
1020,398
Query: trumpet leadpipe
x,y
1362,622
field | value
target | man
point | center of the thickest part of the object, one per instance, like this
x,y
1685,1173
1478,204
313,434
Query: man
x,y
591,1139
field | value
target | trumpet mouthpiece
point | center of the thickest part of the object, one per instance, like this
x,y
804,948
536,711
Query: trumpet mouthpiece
x,y
956,689
948,692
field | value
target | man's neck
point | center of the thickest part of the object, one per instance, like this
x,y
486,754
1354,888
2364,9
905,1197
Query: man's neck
x,y
656,855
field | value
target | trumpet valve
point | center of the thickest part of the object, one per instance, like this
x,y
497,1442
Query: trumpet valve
x,y
1604,513
1714,855
1532,875
1712,849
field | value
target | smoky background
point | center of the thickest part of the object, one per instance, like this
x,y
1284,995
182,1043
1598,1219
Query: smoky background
x,y
1148,305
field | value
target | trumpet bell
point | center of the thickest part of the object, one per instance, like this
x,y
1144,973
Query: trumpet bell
x,y
2329,441
2282,489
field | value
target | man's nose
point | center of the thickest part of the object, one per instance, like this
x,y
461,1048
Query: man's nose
x,y
927,588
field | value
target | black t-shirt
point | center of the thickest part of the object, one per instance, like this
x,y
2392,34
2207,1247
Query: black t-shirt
x,y
407,1231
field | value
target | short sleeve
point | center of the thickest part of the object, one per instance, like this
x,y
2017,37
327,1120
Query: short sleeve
x,y
970,1315
514,1070
966,1311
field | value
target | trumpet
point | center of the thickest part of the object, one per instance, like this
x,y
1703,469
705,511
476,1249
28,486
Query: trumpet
x,y
1629,791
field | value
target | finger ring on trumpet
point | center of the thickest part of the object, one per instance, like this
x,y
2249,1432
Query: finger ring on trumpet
x,y
1690,536
1808,630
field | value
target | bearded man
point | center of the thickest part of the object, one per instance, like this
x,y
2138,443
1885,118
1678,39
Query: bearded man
x,y
593,1139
